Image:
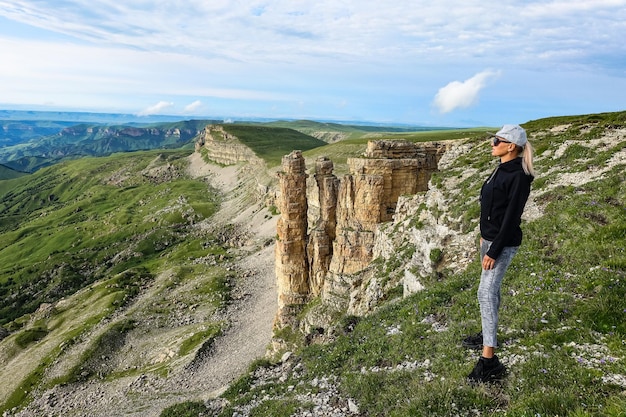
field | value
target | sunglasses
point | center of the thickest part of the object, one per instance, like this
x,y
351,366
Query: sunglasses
x,y
496,141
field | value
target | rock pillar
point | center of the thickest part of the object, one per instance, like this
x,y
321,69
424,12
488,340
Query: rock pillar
x,y
292,269
323,233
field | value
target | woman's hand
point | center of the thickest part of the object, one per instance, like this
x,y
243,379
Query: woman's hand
x,y
488,263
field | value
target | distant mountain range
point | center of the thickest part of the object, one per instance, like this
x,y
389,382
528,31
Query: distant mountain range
x,y
31,140
84,117
121,118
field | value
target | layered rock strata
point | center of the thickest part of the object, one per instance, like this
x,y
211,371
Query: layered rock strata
x,y
224,148
292,264
316,255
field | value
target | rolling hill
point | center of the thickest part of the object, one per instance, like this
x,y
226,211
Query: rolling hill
x,y
7,173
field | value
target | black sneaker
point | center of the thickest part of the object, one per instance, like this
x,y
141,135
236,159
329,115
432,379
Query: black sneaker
x,y
474,341
487,370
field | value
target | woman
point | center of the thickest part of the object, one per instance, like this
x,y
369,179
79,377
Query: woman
x,y
502,200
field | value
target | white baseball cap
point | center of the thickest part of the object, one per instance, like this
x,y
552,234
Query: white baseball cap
x,y
512,133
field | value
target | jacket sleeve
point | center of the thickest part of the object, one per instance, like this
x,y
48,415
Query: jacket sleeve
x,y
517,195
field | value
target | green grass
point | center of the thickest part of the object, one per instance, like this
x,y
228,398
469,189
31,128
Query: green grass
x,y
203,337
29,336
7,173
80,221
91,364
275,408
98,231
272,143
185,409
59,325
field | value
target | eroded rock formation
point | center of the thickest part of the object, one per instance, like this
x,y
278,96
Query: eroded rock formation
x,y
291,258
224,148
317,254
323,231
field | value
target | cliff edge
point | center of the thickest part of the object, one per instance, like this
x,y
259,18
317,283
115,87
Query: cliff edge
x,y
327,230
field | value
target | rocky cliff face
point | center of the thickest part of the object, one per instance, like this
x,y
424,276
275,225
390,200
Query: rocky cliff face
x,y
321,250
224,148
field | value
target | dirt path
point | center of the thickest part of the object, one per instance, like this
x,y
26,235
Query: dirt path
x,y
249,335
250,314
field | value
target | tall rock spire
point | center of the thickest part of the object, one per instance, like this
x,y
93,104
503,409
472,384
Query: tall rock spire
x,y
292,268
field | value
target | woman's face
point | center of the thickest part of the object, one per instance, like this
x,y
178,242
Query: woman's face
x,y
501,147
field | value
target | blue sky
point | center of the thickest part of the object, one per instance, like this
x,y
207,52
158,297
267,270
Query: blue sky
x,y
452,63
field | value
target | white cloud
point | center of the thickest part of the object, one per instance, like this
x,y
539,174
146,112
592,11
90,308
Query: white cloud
x,y
156,109
192,107
462,94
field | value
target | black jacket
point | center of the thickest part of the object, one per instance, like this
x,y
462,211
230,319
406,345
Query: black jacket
x,y
502,200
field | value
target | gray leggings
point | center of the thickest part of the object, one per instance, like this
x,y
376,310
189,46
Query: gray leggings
x,y
489,291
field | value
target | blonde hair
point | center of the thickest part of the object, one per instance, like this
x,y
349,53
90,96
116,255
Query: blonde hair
x,y
527,158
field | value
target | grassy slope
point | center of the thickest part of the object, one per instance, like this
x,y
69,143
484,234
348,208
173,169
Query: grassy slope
x,y
7,173
97,232
272,143
69,222
563,317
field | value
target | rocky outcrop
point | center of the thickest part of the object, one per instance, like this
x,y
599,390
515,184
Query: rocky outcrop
x,y
223,148
323,231
291,260
317,253
329,136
